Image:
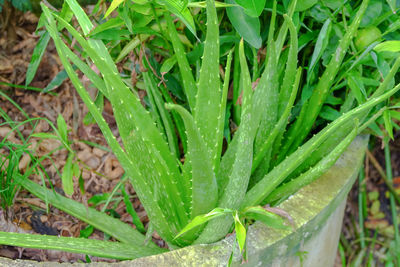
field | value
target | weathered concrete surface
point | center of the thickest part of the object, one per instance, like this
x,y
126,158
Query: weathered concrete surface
x,y
317,210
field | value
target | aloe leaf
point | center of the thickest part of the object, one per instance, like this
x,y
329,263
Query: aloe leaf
x,y
142,188
222,112
186,73
322,90
241,168
105,249
204,184
208,98
37,55
284,28
99,220
280,125
313,173
270,181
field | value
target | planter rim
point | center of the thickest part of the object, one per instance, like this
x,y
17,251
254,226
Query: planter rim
x,y
310,207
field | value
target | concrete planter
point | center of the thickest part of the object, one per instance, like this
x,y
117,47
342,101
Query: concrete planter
x,y
317,210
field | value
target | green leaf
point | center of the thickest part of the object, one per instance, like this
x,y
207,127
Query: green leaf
x,y
305,4
270,219
62,128
66,177
247,27
252,8
388,46
168,64
321,44
36,58
106,249
240,232
201,219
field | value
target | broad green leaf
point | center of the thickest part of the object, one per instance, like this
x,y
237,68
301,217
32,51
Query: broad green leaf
x,y
240,232
201,219
105,249
270,219
67,177
252,8
247,27
305,4
168,64
36,57
388,46
204,184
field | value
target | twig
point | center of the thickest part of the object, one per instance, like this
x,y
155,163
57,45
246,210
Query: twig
x,y
379,168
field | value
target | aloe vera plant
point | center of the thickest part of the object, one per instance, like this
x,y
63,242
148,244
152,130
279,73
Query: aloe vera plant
x,y
249,173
